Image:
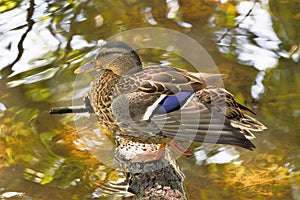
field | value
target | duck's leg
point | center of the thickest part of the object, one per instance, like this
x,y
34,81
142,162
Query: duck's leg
x,y
150,156
180,149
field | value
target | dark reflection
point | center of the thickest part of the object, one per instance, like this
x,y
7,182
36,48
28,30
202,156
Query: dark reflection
x,y
30,23
46,159
253,36
252,40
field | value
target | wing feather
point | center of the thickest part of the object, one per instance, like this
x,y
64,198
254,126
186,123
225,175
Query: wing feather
x,y
203,118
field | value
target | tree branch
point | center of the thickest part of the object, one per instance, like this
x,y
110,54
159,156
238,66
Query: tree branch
x,y
82,109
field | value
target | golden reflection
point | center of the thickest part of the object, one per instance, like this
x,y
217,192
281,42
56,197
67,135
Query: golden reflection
x,y
36,148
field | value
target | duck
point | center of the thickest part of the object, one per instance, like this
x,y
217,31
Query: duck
x,y
164,104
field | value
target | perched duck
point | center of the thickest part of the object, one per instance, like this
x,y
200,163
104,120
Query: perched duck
x,y
156,104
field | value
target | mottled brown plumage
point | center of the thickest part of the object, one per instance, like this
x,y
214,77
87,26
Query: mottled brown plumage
x,y
156,104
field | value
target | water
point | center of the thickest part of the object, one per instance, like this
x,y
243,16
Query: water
x,y
45,157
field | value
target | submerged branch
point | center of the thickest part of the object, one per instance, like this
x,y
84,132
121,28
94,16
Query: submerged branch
x,y
83,109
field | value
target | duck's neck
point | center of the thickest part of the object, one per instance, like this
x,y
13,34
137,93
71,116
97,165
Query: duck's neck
x,y
103,86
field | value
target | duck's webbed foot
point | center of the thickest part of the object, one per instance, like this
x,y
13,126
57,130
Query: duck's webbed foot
x,y
150,156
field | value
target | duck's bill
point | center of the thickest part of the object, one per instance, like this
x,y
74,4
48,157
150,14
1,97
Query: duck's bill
x,y
86,68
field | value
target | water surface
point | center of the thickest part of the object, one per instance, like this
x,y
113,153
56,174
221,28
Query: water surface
x,y
42,43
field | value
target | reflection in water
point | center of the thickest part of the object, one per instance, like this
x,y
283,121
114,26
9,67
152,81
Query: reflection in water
x,y
258,88
173,6
261,54
47,150
16,28
46,173
114,184
149,17
222,155
253,41
47,74
2,107
7,195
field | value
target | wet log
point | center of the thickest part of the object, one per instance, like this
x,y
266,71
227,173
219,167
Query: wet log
x,y
157,179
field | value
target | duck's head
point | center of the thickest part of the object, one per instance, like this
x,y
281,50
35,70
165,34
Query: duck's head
x,y
116,56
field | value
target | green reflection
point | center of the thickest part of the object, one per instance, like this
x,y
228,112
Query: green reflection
x,y
43,153
7,5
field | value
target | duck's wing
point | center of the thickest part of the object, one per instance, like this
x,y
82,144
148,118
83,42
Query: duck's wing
x,y
187,114
222,101
156,90
195,122
165,80
168,80
209,79
212,116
